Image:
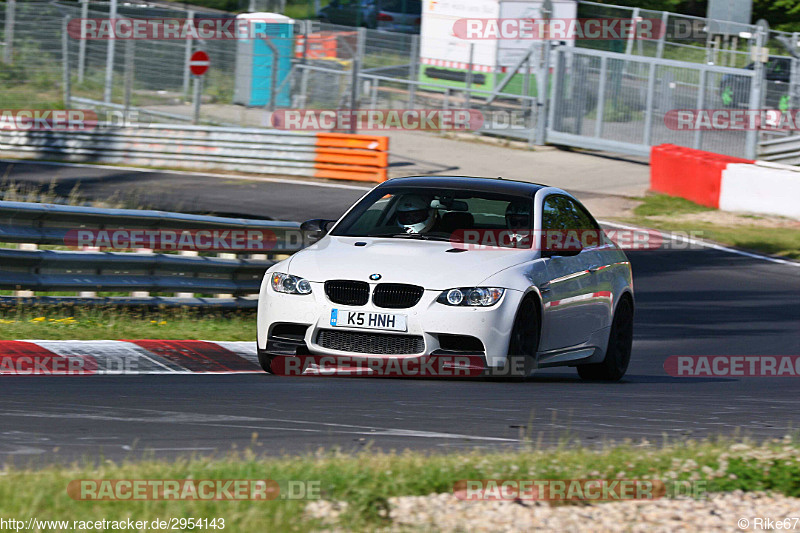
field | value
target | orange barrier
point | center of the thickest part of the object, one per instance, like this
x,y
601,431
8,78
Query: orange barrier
x,y
688,173
351,157
326,45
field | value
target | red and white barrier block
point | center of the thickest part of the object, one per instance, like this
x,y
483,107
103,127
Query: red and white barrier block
x,y
761,187
725,182
86,358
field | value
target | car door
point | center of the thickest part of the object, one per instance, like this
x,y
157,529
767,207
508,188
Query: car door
x,y
597,256
567,297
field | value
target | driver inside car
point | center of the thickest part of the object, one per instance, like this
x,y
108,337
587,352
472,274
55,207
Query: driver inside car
x,y
415,214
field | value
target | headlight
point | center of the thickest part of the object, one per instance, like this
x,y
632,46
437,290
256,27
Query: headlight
x,y
290,284
471,296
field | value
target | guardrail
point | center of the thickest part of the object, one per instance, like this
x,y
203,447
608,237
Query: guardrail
x,y
298,153
781,150
232,276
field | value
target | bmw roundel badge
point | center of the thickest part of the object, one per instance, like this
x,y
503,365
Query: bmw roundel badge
x,y
374,277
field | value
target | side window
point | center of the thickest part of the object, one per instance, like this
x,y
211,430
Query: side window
x,y
563,214
586,220
550,214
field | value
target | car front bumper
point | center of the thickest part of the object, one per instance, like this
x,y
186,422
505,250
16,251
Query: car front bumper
x,y
292,325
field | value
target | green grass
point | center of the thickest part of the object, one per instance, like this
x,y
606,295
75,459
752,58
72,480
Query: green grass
x,y
783,241
662,204
367,480
87,323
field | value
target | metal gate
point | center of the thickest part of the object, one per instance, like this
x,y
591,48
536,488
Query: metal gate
x,y
612,101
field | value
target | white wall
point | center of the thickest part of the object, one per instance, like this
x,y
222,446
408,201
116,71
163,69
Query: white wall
x,y
767,188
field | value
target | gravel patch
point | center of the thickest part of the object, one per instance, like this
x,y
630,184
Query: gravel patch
x,y
446,513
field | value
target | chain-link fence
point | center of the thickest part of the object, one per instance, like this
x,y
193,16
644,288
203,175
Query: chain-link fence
x,y
612,101
603,94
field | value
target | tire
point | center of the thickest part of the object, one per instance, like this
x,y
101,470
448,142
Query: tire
x,y
618,352
524,341
265,360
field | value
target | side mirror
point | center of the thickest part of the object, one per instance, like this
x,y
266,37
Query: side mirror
x,y
319,225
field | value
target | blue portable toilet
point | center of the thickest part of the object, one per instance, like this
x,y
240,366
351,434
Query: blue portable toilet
x,y
255,64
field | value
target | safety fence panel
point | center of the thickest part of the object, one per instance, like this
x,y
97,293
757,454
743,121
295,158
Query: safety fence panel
x,y
609,101
298,153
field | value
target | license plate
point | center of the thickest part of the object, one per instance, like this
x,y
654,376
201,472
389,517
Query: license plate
x,y
367,320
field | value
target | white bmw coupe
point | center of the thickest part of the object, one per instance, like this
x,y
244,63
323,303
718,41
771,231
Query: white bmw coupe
x,y
490,275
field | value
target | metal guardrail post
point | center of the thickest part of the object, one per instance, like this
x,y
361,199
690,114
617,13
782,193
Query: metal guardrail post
x,y
82,42
412,75
304,57
187,56
196,96
649,104
8,52
543,94
361,45
354,94
701,102
109,80
303,88
225,255
632,36
662,37
273,75
470,67
67,75
129,76
756,86
186,253
558,85
601,98
22,293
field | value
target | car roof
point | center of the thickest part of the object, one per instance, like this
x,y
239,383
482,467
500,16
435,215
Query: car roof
x,y
499,185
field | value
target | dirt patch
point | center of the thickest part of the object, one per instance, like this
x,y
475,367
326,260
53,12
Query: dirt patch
x,y
609,206
725,218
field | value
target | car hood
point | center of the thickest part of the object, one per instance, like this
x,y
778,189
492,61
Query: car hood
x,y
425,263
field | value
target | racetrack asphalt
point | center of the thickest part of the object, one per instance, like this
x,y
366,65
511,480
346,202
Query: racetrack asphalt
x,y
688,302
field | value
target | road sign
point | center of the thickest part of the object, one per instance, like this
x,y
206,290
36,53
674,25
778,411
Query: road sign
x,y
199,63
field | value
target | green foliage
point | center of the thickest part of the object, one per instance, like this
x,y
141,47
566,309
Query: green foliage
x,y
662,204
365,481
783,15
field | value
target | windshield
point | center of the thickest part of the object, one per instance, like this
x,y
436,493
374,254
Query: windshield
x,y
434,214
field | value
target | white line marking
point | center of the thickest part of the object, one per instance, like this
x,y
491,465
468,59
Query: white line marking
x,y
713,246
199,419
191,173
